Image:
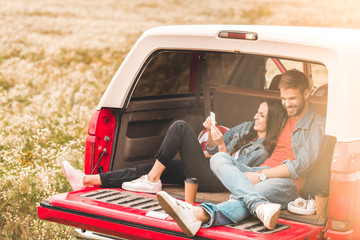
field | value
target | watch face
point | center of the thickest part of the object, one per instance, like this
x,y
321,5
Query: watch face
x,y
262,176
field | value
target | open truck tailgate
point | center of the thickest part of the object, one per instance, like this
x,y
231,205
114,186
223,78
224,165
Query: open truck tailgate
x,y
124,214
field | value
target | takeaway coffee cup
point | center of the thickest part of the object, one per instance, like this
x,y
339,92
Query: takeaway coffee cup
x,y
191,186
321,203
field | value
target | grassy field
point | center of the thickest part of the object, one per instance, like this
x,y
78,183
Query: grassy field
x,y
56,59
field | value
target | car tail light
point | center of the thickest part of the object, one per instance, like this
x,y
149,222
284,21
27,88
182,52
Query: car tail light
x,y
342,202
238,35
99,141
344,195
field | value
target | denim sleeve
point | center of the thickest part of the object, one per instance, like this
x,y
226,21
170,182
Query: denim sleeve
x,y
211,150
254,158
307,154
229,135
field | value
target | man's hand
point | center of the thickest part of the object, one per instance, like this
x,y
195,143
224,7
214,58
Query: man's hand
x,y
253,177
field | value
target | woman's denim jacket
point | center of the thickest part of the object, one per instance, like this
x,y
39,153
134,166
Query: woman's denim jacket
x,y
251,154
305,141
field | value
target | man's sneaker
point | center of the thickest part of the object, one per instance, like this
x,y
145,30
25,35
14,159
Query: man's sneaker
x,y
181,212
269,214
142,184
75,177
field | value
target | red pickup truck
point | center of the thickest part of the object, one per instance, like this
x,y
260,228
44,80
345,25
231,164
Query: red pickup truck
x,y
160,81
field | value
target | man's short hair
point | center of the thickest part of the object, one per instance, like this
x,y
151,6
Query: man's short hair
x,y
294,79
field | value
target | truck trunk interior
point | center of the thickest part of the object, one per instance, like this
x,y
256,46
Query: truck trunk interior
x,y
145,121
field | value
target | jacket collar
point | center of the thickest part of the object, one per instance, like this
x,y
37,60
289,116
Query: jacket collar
x,y
305,121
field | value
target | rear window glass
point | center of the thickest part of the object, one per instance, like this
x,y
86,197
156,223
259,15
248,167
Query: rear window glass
x,y
317,73
176,73
167,73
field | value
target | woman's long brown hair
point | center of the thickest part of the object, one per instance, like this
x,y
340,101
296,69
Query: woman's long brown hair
x,y
276,117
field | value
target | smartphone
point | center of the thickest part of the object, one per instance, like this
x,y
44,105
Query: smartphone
x,y
212,115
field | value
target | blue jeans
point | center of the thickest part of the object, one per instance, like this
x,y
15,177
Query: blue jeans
x,y
245,196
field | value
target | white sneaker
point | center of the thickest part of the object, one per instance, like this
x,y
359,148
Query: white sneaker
x,y
181,212
142,184
269,214
74,176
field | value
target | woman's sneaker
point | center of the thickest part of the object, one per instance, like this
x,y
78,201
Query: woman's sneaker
x,y
74,176
181,212
142,184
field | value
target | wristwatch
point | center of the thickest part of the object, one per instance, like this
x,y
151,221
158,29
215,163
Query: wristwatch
x,y
262,175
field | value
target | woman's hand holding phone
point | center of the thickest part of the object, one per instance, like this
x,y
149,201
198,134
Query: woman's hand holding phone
x,y
208,123
217,138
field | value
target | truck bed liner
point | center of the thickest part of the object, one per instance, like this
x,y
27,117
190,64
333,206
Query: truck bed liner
x,y
124,214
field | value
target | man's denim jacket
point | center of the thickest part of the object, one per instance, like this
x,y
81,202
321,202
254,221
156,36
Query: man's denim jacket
x,y
306,140
251,154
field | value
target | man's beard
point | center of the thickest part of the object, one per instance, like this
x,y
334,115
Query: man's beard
x,y
298,108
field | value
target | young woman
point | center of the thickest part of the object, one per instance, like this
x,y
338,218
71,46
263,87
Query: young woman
x,y
249,143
